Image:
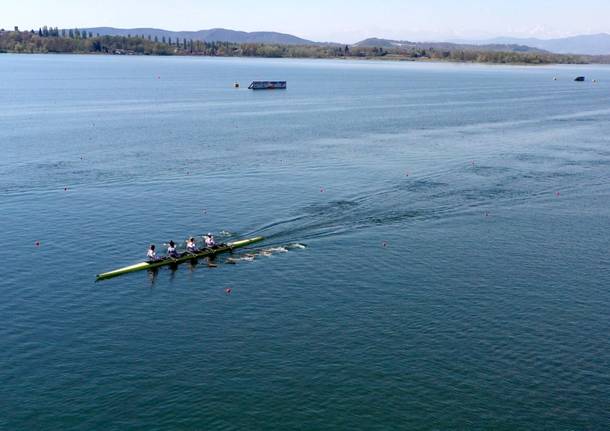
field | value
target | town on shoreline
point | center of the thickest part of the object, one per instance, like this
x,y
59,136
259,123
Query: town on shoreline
x,y
75,41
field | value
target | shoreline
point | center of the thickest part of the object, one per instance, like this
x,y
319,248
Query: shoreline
x,y
364,59
17,42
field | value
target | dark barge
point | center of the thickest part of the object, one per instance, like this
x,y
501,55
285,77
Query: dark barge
x,y
268,85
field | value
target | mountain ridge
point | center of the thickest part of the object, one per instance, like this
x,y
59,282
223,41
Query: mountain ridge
x,y
584,44
211,35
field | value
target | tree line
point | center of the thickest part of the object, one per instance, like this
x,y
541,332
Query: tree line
x,y
53,40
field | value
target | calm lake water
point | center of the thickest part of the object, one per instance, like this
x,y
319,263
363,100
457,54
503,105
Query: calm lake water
x,y
455,218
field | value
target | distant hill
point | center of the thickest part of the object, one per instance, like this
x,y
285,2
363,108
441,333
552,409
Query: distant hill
x,y
374,42
494,47
213,35
593,44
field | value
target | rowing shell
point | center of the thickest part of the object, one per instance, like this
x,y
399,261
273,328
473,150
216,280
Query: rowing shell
x,y
204,253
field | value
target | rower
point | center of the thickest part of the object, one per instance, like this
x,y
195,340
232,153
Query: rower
x,y
191,246
152,254
171,250
209,240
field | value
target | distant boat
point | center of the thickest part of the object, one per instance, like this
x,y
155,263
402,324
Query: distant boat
x,y
268,85
580,79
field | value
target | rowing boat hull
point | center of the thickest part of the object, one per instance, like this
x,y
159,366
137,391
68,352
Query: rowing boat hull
x,y
142,266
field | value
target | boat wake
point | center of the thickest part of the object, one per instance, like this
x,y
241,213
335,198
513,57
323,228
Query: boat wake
x,y
463,189
252,255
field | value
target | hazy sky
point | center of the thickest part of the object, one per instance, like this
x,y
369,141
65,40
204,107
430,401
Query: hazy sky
x,y
326,20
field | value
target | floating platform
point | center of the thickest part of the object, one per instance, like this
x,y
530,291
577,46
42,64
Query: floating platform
x,y
268,85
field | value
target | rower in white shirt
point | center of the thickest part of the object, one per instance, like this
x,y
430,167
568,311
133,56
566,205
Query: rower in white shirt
x,y
171,250
209,240
191,246
152,254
